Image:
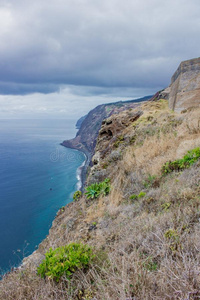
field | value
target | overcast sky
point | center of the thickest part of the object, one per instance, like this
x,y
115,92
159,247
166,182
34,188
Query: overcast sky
x,y
67,56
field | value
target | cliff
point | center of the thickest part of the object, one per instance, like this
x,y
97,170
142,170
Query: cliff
x,y
185,86
90,125
145,230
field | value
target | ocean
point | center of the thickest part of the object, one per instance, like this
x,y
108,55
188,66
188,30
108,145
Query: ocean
x,y
37,177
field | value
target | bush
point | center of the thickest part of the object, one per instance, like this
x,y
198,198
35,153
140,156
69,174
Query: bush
x,y
136,197
180,164
65,261
141,195
133,197
77,195
96,189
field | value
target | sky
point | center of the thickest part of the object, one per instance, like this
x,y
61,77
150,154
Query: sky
x,y
61,58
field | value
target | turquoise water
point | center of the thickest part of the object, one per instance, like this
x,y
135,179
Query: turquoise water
x,y
37,177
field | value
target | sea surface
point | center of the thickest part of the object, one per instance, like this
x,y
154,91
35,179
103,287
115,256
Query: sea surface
x,y
37,177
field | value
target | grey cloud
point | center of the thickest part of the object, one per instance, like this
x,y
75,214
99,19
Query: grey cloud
x,y
102,45
14,88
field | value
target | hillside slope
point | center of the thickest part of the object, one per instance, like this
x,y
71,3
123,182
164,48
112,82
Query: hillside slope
x,y
145,232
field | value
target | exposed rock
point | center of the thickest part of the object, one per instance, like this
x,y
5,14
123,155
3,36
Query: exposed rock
x,y
114,155
164,94
32,260
90,125
96,175
185,86
110,133
96,158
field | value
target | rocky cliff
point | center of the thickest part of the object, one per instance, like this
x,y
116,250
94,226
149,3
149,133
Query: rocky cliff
x,y
185,86
90,125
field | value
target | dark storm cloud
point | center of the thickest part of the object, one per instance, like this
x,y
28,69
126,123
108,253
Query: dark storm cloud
x,y
97,44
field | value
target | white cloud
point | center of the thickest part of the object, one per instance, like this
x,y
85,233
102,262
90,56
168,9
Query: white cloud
x,y
66,104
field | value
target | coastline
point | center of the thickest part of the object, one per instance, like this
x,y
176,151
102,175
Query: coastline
x,y
82,170
36,257
78,175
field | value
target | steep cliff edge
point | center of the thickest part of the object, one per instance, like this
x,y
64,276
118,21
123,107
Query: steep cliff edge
x,y
86,137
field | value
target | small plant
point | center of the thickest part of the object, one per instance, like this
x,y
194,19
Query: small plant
x,y
133,197
166,206
120,140
171,234
132,139
96,189
180,164
149,181
77,195
62,209
173,237
150,265
105,165
65,261
141,195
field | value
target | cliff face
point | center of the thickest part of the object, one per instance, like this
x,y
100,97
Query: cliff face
x,y
185,86
85,139
87,134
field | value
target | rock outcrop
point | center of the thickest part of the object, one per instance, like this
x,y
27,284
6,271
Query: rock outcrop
x,y
90,125
185,86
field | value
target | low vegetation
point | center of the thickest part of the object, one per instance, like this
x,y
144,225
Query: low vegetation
x,y
65,261
177,165
140,195
96,189
77,195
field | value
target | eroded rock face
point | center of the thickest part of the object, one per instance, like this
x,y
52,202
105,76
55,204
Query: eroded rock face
x,y
112,127
185,86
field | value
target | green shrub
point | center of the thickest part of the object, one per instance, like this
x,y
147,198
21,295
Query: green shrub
x,y
133,197
141,195
173,238
96,189
180,164
171,234
166,206
77,195
65,261
62,209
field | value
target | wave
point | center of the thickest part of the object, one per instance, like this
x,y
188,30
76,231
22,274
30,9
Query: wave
x,y
78,174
